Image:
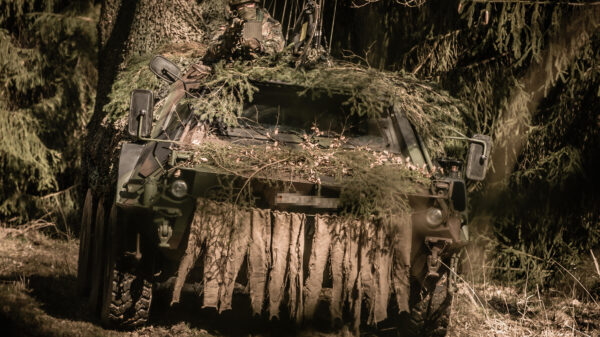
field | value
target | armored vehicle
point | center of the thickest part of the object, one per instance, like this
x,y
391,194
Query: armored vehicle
x,y
287,192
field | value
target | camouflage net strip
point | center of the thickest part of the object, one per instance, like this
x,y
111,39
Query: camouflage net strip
x,y
359,253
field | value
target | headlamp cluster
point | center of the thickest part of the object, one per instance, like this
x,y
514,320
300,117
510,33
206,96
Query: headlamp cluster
x,y
434,216
179,188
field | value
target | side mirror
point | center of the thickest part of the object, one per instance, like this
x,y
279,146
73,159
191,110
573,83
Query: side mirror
x,y
480,147
165,69
140,113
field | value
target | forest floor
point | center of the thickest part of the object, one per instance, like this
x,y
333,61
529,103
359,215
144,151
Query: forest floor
x,y
38,298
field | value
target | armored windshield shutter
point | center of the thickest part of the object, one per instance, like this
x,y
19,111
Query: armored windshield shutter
x,y
140,113
405,130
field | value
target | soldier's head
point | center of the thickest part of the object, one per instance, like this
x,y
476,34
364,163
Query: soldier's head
x,y
244,8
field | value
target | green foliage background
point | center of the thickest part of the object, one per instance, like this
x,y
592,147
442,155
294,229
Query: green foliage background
x,y
47,81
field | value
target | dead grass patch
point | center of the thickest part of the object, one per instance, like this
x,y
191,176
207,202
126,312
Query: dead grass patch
x,y
493,310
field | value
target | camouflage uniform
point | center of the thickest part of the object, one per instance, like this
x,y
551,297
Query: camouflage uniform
x,y
252,32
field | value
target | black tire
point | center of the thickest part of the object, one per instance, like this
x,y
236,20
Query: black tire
x,y
97,249
430,313
84,262
126,296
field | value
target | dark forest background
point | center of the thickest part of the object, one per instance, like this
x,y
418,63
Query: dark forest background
x,y
528,71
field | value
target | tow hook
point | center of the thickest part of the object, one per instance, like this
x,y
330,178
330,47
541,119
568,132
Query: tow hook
x,y
137,255
164,233
437,246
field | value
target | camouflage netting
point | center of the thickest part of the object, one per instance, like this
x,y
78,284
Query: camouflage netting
x,y
367,246
370,92
372,183
134,75
362,265
137,75
128,32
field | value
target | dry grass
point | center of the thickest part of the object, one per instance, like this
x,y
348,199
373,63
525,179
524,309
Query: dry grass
x,y
492,310
37,284
26,251
37,297
38,288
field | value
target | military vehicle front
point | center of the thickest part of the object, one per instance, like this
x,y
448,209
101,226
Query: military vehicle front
x,y
192,190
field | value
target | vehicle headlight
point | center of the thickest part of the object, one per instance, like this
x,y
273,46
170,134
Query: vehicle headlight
x,y
179,188
434,216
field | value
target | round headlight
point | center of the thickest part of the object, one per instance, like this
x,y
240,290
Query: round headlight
x,y
434,216
179,188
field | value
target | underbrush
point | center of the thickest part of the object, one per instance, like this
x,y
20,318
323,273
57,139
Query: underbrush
x,y
484,309
511,292
538,257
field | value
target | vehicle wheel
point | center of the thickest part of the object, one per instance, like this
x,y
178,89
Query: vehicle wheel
x,y
84,262
430,313
97,249
126,296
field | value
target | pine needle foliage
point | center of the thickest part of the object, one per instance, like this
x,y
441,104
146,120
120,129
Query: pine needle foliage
x,y
560,161
370,93
483,52
371,183
433,111
47,80
135,74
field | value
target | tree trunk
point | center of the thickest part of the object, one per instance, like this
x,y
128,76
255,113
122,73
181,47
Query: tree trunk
x,y
128,28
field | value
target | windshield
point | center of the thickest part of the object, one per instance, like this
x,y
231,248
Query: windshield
x,y
290,113
283,111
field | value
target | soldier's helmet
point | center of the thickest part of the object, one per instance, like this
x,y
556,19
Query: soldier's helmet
x,y
235,3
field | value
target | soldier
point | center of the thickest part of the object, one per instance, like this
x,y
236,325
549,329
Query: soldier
x,y
252,32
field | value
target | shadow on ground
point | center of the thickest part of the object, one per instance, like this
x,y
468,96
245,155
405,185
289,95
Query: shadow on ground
x,y
50,306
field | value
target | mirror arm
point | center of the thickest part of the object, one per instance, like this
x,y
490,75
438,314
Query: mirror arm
x,y
472,140
484,144
141,118
140,126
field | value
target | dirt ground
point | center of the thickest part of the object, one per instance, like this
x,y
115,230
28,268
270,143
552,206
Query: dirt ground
x,y
38,298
